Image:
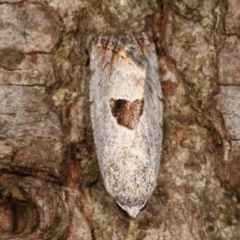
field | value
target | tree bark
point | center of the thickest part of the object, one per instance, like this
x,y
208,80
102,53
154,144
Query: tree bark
x,y
50,185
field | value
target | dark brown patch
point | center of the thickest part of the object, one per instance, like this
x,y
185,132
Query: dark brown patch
x,y
34,58
127,113
10,58
168,88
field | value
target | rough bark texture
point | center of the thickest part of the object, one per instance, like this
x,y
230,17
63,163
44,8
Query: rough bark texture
x,y
50,186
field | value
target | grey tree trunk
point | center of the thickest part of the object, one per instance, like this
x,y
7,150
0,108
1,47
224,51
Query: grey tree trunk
x,y
50,186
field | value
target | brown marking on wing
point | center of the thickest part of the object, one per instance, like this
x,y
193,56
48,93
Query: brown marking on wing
x,y
127,113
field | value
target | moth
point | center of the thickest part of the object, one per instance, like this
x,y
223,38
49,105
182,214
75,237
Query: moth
x,y
127,115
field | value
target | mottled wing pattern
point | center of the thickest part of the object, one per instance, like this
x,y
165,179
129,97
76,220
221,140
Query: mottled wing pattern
x,y
126,112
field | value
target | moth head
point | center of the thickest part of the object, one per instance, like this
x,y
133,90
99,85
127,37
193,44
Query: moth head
x,y
132,211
